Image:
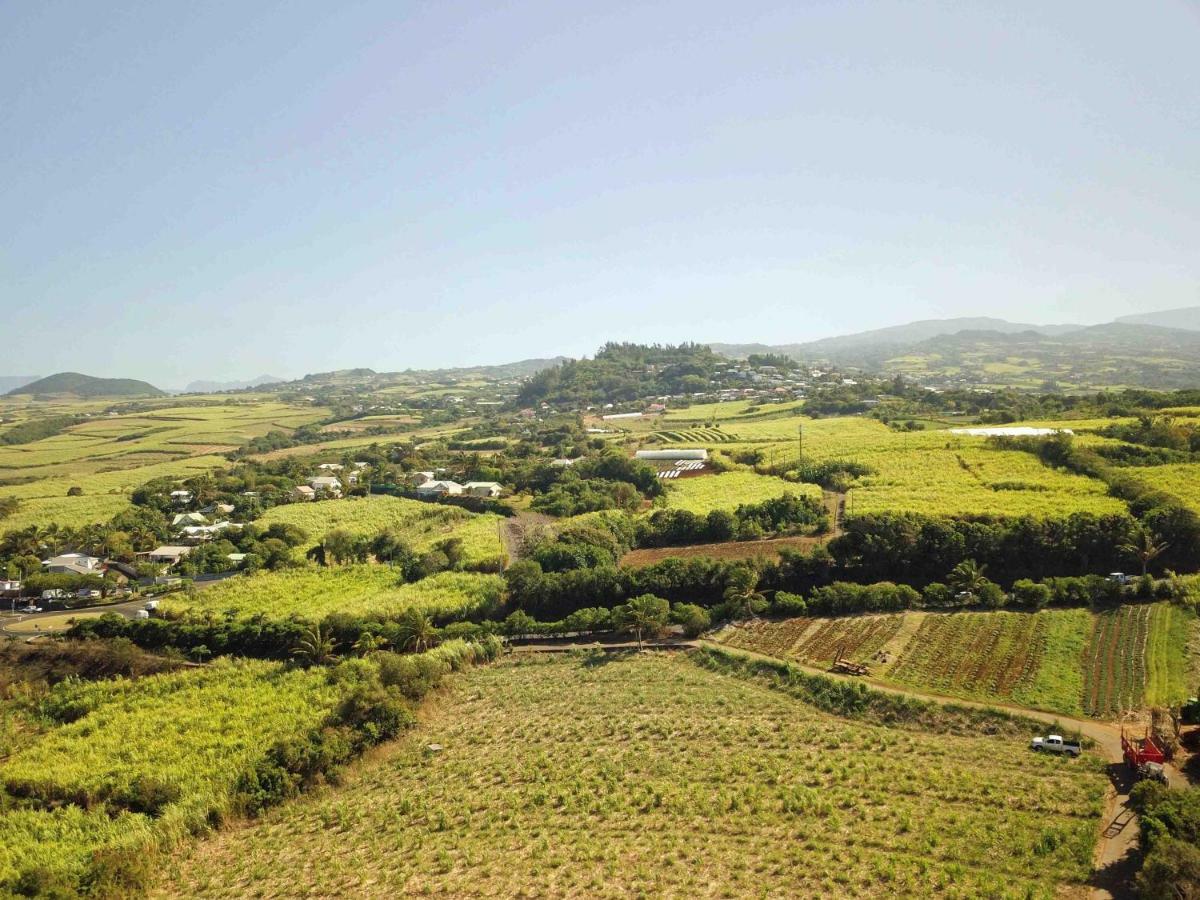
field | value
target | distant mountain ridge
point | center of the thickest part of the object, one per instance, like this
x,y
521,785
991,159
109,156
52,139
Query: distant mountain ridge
x,y
78,385
1186,318
214,387
894,335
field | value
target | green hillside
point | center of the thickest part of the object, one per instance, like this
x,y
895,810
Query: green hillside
x,y
78,385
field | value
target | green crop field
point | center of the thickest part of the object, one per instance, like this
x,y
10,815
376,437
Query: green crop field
x,y
421,524
731,489
368,589
1069,661
1182,480
194,733
933,471
107,455
653,776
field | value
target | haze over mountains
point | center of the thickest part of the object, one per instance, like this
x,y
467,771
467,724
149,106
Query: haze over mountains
x,y
1154,350
213,387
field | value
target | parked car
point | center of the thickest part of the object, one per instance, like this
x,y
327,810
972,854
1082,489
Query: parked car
x,y
1054,744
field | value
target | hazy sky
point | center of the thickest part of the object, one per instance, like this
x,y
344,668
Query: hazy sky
x,y
219,190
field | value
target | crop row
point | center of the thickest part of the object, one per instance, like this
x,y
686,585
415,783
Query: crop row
x,y
1115,661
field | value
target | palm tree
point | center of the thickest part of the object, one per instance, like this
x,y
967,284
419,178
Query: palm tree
x,y
1145,548
368,643
744,602
642,614
968,577
315,647
415,631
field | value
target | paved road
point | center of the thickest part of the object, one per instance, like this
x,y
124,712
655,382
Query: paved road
x,y
126,609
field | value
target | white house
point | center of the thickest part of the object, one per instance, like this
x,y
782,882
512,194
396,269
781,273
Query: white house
x,y
331,467
181,498
182,520
416,479
303,492
326,484
169,554
10,587
73,564
482,489
439,488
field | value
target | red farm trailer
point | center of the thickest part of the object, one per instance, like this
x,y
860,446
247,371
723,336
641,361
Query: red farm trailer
x,y
1141,750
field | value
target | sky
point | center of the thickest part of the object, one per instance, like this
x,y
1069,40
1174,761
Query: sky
x,y
224,189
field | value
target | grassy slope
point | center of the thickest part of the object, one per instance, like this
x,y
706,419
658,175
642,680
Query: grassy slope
x,y
649,776
361,589
422,524
730,490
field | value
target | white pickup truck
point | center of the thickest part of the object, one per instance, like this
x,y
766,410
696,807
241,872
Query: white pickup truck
x,y
1054,743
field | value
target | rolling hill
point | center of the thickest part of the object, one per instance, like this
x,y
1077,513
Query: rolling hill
x,y
77,385
1187,318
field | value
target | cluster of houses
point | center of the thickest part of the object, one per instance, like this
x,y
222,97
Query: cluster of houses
x,y
429,485
328,483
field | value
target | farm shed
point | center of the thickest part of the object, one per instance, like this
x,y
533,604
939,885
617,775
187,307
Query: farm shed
x,y
672,455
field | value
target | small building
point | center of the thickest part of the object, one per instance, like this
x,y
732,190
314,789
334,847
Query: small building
x,y
169,554
416,479
482,489
326,484
183,520
73,564
303,492
331,467
9,588
672,455
218,509
562,463
181,498
439,489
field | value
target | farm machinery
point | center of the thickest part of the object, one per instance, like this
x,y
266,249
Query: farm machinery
x,y
846,667
1143,756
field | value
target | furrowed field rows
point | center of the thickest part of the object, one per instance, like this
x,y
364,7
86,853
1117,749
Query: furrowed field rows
x,y
1115,661
1070,661
565,778
984,655
814,640
698,436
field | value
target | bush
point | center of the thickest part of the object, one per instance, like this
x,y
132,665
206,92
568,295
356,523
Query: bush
x,y
786,604
694,619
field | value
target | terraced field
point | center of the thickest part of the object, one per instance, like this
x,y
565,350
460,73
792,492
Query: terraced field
x,y
1070,661
651,776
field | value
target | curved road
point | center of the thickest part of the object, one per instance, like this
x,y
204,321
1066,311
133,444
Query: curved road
x,y
25,620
